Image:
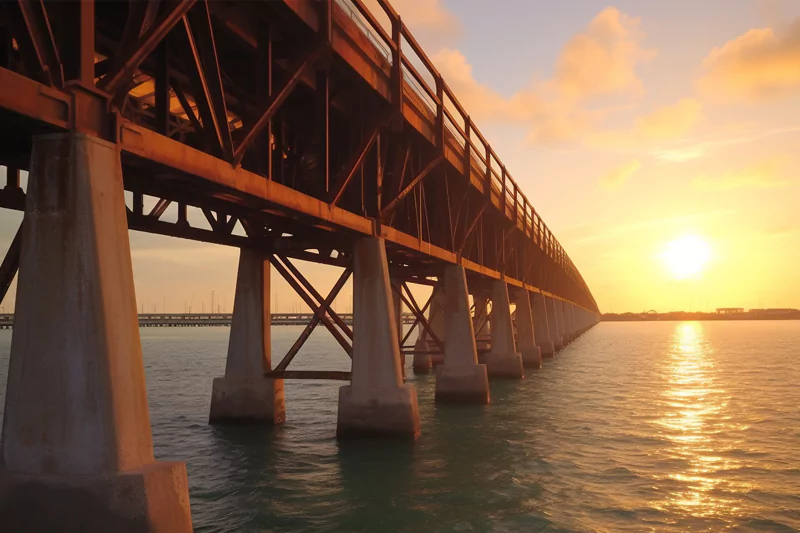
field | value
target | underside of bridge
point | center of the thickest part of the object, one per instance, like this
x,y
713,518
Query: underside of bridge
x,y
294,130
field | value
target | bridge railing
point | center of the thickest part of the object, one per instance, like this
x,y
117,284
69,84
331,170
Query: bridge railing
x,y
418,73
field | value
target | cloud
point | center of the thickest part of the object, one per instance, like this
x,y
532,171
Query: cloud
x,y
764,174
602,59
621,174
670,121
758,65
431,23
678,155
665,123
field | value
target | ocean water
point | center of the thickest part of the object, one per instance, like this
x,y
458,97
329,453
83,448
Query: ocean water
x,y
633,427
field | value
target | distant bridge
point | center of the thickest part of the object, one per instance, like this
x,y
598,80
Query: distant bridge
x,y
310,130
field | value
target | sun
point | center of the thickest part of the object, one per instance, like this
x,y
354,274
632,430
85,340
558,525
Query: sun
x,y
686,257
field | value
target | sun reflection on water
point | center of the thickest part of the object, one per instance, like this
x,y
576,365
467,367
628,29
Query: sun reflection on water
x,y
694,415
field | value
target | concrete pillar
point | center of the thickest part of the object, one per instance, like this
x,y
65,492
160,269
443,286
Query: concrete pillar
x,y
397,307
503,361
526,339
77,451
540,325
562,326
376,403
553,319
573,333
482,324
424,358
244,395
460,379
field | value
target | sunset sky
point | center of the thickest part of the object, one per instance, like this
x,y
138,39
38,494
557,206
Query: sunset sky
x,y
629,126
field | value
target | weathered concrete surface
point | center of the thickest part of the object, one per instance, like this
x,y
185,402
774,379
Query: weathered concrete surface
x,y
389,412
503,361
76,417
376,403
460,379
422,362
563,326
540,325
482,324
397,308
151,499
526,339
256,400
244,395
552,323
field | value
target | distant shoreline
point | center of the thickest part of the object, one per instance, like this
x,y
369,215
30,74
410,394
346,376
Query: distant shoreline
x,y
678,316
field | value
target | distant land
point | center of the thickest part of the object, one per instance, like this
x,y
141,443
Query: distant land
x,y
726,313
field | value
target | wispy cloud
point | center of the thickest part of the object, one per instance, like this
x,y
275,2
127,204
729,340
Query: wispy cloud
x,y
760,64
616,177
764,174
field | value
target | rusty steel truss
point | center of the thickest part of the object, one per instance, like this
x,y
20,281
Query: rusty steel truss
x,y
307,123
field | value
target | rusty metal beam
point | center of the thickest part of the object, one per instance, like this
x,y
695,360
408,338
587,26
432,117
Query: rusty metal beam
x,y
10,265
319,311
187,108
310,288
121,73
410,187
308,374
310,303
411,303
159,208
356,160
31,28
471,227
274,102
210,73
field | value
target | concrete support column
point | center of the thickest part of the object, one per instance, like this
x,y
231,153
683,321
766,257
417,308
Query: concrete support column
x,y
540,325
562,322
397,307
244,395
376,403
503,361
460,379
77,451
553,319
424,359
482,325
526,338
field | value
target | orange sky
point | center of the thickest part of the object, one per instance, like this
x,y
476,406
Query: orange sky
x,y
628,126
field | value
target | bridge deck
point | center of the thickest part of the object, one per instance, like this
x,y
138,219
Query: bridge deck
x,y
336,162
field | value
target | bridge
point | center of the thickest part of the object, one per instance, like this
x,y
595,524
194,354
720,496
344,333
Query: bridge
x,y
299,131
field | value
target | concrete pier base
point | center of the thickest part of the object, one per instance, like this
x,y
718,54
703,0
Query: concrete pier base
x,y
77,451
531,357
376,403
391,412
459,379
503,360
547,349
552,324
422,363
256,400
244,395
526,338
462,384
150,499
504,365
540,324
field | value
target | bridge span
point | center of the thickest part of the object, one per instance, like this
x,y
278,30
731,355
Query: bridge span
x,y
297,131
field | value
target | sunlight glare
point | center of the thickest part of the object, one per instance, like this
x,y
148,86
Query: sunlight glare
x,y
686,257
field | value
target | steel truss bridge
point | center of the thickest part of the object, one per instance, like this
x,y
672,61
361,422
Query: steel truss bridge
x,y
311,130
